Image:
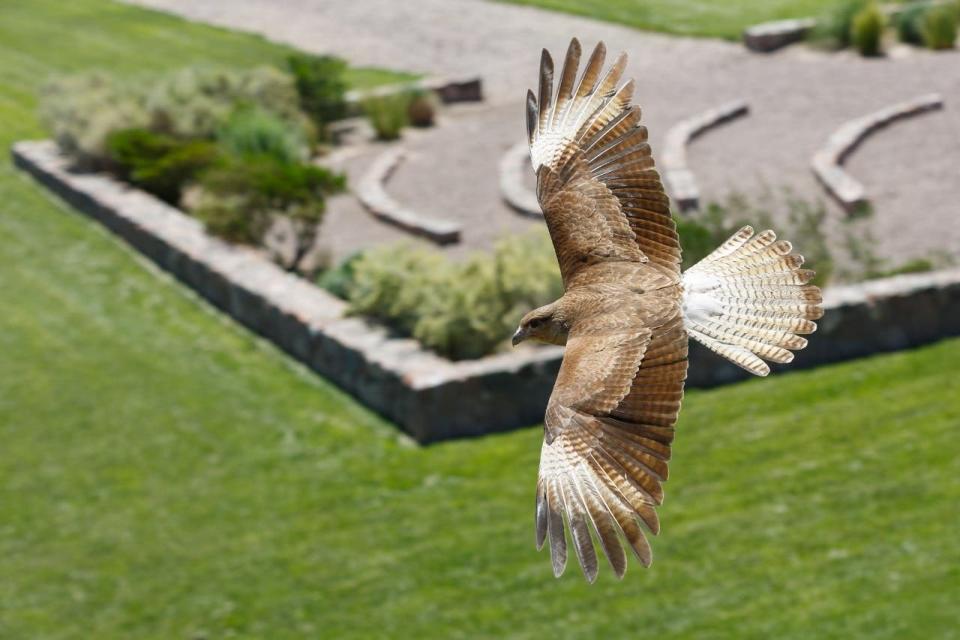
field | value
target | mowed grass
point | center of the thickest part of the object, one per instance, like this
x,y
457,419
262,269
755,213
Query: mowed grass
x,y
713,18
163,474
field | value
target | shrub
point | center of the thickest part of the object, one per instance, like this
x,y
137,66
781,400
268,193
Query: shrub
x,y
422,109
241,197
459,309
159,163
866,31
910,21
232,216
917,265
253,131
833,27
388,114
194,101
82,111
338,280
321,87
940,26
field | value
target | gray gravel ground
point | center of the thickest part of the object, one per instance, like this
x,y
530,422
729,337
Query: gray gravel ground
x,y
798,97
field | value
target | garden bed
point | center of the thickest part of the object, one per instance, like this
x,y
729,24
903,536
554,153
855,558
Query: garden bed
x,y
430,397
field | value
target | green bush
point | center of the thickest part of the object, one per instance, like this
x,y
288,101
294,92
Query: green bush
x,y
459,309
321,86
918,265
253,131
940,26
242,196
388,114
866,31
82,111
159,163
338,280
195,101
910,21
833,27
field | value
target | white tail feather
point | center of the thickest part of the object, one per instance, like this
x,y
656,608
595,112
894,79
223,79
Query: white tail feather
x,y
749,300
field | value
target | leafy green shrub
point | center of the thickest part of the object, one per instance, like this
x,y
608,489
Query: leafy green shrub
x,y
159,163
866,31
940,26
321,86
918,265
833,28
253,131
388,114
338,280
241,196
459,309
194,101
910,21
82,111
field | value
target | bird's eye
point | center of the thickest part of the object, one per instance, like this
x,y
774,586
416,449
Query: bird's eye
x,y
535,322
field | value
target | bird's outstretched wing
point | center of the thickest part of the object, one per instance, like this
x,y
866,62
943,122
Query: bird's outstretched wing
x,y
601,196
609,425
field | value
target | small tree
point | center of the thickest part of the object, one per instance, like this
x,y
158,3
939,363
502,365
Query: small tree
x,y
867,30
321,86
940,26
258,190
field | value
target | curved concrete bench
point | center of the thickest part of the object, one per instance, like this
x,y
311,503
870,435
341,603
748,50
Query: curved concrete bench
x,y
826,163
377,201
516,194
679,180
770,36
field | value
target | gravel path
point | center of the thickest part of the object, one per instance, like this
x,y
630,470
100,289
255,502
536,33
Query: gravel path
x,y
798,97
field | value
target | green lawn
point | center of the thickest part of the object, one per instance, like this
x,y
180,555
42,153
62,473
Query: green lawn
x,y
714,18
166,475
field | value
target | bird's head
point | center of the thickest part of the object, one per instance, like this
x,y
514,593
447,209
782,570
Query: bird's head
x,y
543,325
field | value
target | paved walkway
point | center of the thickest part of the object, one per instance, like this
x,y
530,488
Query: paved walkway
x,y
798,97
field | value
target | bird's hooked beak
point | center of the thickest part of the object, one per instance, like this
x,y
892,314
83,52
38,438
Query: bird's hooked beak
x,y
519,336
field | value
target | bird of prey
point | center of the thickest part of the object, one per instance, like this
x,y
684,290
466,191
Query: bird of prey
x,y
627,313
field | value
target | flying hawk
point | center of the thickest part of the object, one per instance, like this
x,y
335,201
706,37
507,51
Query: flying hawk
x,y
627,312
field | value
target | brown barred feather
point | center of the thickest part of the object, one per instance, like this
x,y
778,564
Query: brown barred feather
x,y
627,313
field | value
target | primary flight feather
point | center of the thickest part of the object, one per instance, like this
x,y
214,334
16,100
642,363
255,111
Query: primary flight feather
x,y
627,313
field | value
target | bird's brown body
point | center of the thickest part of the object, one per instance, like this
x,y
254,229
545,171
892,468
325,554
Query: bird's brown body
x,y
627,313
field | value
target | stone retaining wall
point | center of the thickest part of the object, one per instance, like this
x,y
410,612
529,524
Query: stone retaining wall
x,y
428,396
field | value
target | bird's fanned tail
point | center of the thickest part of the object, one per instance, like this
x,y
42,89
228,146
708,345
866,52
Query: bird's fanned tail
x,y
750,301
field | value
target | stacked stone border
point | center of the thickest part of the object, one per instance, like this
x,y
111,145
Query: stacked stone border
x,y
372,194
826,162
430,397
679,179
